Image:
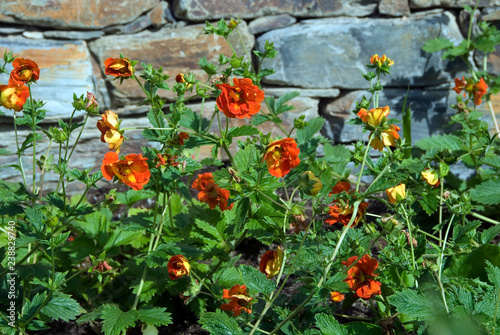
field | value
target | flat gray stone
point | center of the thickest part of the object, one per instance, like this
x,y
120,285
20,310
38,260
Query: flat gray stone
x,y
200,10
73,35
341,48
266,23
452,3
65,68
309,93
394,7
10,31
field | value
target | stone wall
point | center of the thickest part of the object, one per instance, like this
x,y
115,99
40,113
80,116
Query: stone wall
x,y
323,47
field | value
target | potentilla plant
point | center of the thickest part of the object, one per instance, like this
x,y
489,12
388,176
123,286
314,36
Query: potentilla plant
x,y
410,243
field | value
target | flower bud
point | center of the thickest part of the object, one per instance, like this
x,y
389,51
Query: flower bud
x,y
270,263
309,183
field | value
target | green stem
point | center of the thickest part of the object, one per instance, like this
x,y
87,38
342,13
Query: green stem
x,y
440,264
378,177
245,48
33,115
469,33
493,117
34,249
40,188
484,218
414,263
18,152
364,161
441,203
495,314
78,137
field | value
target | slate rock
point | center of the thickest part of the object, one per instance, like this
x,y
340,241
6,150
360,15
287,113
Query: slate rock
x,y
452,3
177,50
490,14
10,31
73,35
266,23
65,68
341,48
309,93
73,14
200,10
394,7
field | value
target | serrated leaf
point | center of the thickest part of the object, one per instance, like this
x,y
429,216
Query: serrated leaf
x,y
259,119
473,264
115,321
242,131
131,197
489,234
155,316
313,128
220,324
363,328
493,274
440,142
412,303
31,306
256,280
436,44
487,192
62,307
429,202
329,326
35,219
246,158
206,227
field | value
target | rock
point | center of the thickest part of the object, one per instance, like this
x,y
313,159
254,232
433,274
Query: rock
x,y
34,35
309,93
200,10
341,48
452,3
73,35
430,112
266,23
65,68
10,31
136,26
490,14
73,14
160,14
177,50
394,7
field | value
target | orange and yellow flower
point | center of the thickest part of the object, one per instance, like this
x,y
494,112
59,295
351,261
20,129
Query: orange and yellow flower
x,y
110,133
336,296
178,266
431,177
379,61
477,90
373,118
25,71
240,100
14,97
210,192
341,211
270,263
118,67
133,170
282,156
310,184
396,193
239,300
360,277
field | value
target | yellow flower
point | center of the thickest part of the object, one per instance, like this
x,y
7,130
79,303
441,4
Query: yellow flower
x,y
431,177
375,116
379,61
310,184
396,193
270,263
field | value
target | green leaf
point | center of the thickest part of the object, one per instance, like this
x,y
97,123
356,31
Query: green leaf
x,y
115,321
35,219
436,44
493,274
31,307
440,142
206,227
429,202
131,197
246,158
487,192
489,234
413,304
155,316
280,106
260,119
256,280
460,50
315,125
363,328
329,326
208,67
62,307
473,265
220,324
241,131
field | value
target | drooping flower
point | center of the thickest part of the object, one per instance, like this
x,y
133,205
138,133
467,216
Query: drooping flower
x,y
379,61
178,266
341,211
92,102
239,300
309,183
110,133
476,90
181,137
14,97
360,277
336,296
210,192
25,71
373,119
396,193
133,170
270,263
431,177
118,67
240,100
282,156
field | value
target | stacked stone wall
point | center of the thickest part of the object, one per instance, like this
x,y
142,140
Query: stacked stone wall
x,y
323,47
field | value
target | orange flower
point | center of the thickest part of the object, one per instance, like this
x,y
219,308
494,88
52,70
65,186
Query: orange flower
x,y
210,193
133,170
282,156
181,137
109,131
241,100
360,277
373,118
118,67
14,97
25,70
396,193
336,296
431,177
379,61
102,266
388,139
343,214
477,90
239,300
270,263
340,186
178,266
